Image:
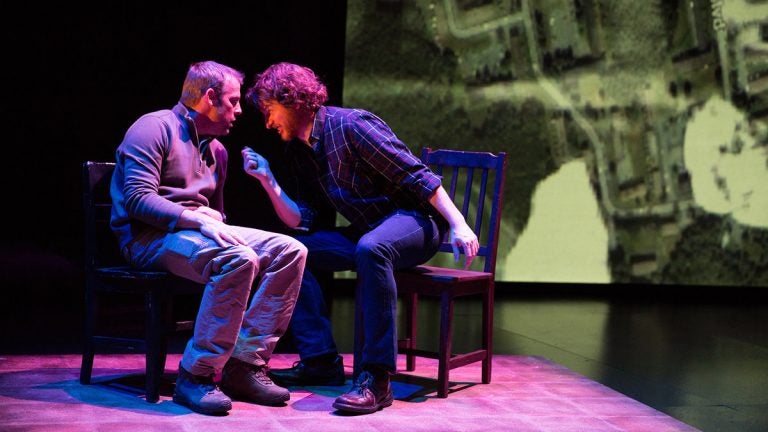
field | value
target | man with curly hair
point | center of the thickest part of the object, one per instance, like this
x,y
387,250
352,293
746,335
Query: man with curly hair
x,y
397,212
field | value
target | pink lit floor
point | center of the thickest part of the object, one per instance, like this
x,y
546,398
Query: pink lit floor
x,y
527,393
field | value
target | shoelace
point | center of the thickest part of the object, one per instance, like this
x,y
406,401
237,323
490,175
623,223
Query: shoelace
x,y
260,373
363,381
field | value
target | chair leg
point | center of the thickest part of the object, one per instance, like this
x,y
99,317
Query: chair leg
x,y
411,315
86,367
155,341
444,355
487,334
167,303
359,332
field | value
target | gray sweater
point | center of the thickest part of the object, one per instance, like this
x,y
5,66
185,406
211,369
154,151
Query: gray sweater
x,y
162,169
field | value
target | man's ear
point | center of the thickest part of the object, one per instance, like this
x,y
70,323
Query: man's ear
x,y
212,97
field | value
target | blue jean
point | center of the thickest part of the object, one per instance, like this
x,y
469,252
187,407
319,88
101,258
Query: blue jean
x,y
403,239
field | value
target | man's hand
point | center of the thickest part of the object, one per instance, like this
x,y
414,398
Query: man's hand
x,y
211,227
463,237
256,165
221,232
210,212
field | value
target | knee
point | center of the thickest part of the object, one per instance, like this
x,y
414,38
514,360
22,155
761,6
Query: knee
x,y
236,258
294,249
368,249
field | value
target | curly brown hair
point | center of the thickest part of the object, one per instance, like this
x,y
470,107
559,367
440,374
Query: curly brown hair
x,y
289,85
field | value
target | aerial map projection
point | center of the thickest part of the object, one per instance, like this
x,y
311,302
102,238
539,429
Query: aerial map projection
x,y
636,132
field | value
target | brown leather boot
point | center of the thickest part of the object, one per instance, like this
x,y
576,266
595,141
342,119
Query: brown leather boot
x,y
250,383
368,394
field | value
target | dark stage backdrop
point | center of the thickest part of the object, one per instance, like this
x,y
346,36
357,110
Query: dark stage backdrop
x,y
75,77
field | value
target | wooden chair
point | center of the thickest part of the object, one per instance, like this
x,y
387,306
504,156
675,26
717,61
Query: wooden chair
x,y
475,182
107,273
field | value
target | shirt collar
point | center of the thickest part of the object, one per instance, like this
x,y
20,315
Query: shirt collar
x,y
187,114
182,111
317,126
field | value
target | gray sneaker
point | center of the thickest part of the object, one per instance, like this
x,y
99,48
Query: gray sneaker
x,y
247,382
200,394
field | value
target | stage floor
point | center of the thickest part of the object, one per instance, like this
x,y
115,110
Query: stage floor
x,y
527,393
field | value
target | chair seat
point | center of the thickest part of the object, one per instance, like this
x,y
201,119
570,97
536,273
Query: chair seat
x,y
127,272
439,281
446,274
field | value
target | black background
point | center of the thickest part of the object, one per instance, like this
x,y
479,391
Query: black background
x,y
75,77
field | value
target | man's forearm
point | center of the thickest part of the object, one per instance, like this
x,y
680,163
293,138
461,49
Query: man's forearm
x,y
287,210
444,205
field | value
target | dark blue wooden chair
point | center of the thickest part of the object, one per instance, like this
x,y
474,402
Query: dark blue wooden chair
x,y
475,182
112,326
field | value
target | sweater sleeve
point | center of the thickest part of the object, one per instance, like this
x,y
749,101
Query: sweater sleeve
x,y
221,158
141,155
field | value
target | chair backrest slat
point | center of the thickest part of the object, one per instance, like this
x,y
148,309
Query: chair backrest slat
x,y
481,211
470,174
454,181
100,243
481,201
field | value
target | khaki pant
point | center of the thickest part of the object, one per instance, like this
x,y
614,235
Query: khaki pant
x,y
250,291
